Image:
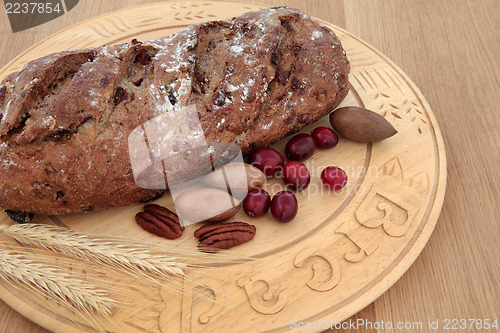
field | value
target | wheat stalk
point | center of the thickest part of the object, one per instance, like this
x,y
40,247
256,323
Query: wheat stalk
x,y
53,283
133,258
80,292
114,252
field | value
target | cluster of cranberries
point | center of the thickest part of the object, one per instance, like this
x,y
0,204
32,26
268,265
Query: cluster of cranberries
x,y
295,174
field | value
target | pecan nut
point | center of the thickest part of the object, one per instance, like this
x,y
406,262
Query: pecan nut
x,y
160,221
224,235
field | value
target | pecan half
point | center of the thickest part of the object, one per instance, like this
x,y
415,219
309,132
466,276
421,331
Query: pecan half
x,y
160,221
224,235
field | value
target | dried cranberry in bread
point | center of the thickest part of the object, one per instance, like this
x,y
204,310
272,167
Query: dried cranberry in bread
x,y
65,118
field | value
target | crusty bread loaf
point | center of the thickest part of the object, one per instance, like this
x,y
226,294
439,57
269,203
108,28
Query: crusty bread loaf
x,y
65,118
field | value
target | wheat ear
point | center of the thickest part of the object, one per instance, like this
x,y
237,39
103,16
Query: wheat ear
x,y
54,283
116,253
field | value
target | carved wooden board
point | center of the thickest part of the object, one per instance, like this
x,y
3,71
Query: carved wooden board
x,y
340,253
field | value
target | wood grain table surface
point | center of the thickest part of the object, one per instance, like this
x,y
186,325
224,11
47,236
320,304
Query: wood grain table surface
x,y
451,50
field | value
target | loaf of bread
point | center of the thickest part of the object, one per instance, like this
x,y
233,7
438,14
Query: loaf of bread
x,y
65,118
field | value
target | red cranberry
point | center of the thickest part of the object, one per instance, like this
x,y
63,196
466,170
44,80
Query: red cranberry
x,y
284,206
325,137
257,203
300,147
268,160
333,178
296,175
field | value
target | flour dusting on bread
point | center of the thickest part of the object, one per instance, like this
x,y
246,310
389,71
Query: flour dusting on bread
x,y
65,118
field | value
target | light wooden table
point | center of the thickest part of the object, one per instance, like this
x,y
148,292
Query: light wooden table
x,y
451,50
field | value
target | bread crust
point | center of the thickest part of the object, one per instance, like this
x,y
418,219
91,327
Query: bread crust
x,y
65,118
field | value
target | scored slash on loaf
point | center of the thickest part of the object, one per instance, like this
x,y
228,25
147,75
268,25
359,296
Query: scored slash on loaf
x,y
65,118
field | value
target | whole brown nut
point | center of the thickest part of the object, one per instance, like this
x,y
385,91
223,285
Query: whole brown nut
x,y
206,205
236,177
361,125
